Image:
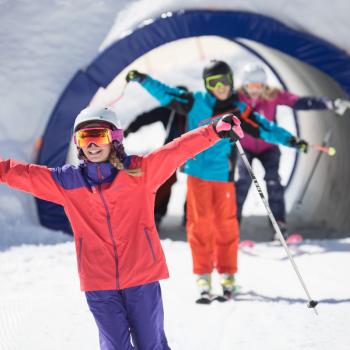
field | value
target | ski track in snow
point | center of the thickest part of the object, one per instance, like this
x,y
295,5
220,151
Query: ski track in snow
x,y
41,306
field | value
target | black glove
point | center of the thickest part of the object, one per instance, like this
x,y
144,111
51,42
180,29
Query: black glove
x,y
299,144
228,126
134,75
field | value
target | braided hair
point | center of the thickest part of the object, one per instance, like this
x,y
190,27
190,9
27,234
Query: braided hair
x,y
117,157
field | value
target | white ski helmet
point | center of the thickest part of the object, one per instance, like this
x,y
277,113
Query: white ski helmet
x,y
254,73
97,114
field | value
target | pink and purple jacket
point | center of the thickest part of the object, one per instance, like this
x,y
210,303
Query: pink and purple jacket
x,y
268,108
111,212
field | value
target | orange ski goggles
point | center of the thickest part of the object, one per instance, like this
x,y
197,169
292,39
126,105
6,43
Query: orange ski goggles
x,y
98,136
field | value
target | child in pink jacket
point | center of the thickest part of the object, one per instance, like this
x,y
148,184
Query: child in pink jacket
x,y
265,100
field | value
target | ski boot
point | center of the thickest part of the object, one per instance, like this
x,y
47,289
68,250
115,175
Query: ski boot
x,y
227,281
204,288
283,227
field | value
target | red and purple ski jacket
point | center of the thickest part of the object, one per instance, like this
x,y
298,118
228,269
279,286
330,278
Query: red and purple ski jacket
x,y
112,212
268,108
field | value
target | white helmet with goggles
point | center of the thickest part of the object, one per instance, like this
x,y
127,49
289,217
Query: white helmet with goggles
x,y
99,115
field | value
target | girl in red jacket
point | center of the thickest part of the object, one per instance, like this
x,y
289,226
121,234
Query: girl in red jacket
x,y
109,200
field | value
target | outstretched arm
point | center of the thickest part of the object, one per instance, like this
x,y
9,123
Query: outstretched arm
x,y
338,105
271,132
311,102
171,97
31,178
160,164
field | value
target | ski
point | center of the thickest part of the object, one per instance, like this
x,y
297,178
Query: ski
x,y
294,238
225,296
248,243
228,294
207,298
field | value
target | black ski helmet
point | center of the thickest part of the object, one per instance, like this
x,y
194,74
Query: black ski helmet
x,y
216,67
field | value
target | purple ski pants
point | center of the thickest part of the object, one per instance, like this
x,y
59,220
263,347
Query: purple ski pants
x,y
131,318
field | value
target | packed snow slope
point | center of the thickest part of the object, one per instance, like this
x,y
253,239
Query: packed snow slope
x,y
42,308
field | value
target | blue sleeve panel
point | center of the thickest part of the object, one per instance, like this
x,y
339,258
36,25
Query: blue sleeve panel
x,y
305,103
271,132
258,126
162,92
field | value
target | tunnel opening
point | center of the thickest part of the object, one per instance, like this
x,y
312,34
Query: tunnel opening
x,y
318,210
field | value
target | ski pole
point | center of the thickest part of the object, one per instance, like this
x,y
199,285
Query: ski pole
x,y
114,101
308,181
331,151
169,124
312,303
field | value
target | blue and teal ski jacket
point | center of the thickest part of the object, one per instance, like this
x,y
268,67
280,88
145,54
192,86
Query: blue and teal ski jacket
x,y
214,164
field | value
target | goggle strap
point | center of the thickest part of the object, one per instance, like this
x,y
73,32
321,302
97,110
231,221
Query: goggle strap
x,y
117,135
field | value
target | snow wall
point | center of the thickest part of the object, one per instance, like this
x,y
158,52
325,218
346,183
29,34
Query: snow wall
x,y
306,64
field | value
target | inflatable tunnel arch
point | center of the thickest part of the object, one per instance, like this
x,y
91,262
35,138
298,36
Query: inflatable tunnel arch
x,y
169,27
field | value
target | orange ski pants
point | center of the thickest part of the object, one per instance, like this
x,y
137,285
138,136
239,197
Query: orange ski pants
x,y
212,225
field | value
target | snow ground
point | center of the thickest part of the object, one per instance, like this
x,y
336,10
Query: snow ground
x,y
42,308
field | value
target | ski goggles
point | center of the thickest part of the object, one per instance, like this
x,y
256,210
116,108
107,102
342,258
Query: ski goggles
x,y
215,81
254,86
98,136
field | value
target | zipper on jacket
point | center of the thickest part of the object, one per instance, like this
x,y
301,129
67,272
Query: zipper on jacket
x,y
80,253
109,224
150,243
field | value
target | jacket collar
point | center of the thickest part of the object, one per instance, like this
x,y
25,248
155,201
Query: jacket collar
x,y
96,173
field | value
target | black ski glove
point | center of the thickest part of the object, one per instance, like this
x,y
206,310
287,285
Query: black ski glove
x,y
299,144
134,75
228,126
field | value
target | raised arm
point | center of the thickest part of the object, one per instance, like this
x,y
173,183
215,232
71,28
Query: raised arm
x,y
172,97
31,178
338,105
160,164
296,102
258,126
271,132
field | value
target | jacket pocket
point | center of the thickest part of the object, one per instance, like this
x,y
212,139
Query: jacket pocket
x,y
149,241
80,253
